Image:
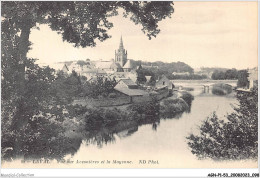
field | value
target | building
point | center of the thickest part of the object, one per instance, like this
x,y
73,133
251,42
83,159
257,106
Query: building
x,y
131,75
164,82
121,54
130,89
126,83
121,58
181,73
109,66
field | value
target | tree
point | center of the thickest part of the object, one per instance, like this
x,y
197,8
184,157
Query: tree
x,y
66,88
231,74
242,79
32,125
101,86
152,80
141,75
235,139
218,75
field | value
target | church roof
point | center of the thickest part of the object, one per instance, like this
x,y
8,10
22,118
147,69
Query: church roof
x,y
128,65
121,46
117,65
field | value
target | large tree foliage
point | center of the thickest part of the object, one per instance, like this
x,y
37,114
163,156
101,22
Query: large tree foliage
x,y
141,75
35,102
236,138
79,22
32,124
232,74
99,86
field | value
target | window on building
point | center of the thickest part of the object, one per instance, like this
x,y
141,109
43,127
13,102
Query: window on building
x,y
163,83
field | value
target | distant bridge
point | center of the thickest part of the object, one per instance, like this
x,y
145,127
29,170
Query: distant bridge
x,y
206,86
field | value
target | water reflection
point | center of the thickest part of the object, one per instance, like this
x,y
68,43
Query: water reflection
x,y
103,133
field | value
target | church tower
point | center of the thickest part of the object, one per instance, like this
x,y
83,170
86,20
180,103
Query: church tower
x,y
121,54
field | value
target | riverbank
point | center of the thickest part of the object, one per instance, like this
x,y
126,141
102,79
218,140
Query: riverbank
x,y
101,123
178,102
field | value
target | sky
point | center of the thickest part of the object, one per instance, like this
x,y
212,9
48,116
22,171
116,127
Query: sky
x,y
201,34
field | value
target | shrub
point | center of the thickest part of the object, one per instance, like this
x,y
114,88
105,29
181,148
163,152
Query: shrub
x,y
187,97
171,107
146,108
235,139
221,89
218,91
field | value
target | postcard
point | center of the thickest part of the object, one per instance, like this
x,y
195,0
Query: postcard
x,y
129,84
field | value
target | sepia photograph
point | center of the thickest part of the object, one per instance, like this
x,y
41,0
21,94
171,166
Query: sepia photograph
x,y
129,84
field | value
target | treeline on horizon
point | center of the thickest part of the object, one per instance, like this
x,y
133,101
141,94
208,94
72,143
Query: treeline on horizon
x,y
160,68
167,69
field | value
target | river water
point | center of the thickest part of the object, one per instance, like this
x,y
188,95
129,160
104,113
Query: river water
x,y
165,142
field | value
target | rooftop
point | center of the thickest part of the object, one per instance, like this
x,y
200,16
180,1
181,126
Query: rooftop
x,y
128,81
128,65
131,92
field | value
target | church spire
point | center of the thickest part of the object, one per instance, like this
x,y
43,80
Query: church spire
x,y
121,46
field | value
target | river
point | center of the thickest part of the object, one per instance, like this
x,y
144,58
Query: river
x,y
165,142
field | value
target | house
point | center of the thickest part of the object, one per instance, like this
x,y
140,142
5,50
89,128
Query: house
x,y
163,82
109,66
131,75
126,83
130,89
181,73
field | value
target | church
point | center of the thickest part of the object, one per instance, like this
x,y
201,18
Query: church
x,y
118,66
121,58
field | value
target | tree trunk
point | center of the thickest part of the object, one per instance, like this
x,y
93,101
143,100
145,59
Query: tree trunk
x,y
20,119
23,49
